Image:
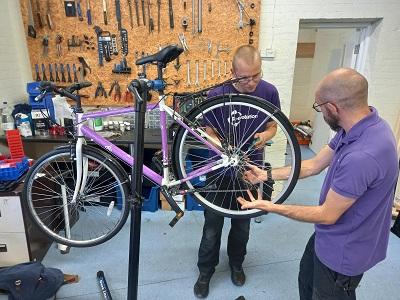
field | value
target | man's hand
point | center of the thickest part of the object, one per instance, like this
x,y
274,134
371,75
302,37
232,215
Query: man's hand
x,y
255,175
261,139
253,203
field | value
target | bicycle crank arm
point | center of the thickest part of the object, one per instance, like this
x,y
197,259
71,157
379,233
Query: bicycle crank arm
x,y
179,212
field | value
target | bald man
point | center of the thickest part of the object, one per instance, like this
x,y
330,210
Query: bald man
x,y
353,217
246,67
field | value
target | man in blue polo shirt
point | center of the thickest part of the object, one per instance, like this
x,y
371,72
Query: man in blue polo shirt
x,y
353,217
246,67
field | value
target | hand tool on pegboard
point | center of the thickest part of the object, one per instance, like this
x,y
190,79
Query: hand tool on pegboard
x,y
37,72
137,12
31,21
88,13
151,23
188,83
79,10
193,17
70,8
100,90
45,45
44,77
58,44
130,13
103,44
84,66
122,31
177,65
116,89
105,12
51,78
75,76
39,15
122,67
205,71
114,45
171,14
158,15
143,13
48,16
62,73
199,16
69,73
56,70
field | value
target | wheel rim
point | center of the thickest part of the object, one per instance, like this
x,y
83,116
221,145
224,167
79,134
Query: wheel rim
x,y
192,156
98,211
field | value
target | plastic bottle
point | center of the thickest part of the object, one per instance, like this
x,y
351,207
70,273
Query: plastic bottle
x,y
7,121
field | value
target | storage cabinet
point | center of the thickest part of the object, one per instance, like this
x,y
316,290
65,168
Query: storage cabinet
x,y
20,240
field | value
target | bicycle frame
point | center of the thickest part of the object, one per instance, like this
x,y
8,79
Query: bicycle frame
x,y
200,134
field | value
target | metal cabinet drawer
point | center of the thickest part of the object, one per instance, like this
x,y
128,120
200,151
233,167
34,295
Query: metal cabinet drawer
x,y
13,249
11,219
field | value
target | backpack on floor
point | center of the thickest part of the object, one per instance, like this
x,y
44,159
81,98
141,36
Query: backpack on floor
x,y
31,281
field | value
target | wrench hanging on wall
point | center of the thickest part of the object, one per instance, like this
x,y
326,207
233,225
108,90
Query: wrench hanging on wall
x,y
122,31
137,12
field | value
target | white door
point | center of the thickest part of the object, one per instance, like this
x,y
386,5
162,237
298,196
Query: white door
x,y
341,48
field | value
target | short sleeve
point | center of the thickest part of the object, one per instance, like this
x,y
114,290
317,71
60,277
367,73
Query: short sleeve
x,y
335,140
355,172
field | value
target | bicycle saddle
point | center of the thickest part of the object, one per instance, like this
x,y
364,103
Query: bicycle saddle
x,y
163,56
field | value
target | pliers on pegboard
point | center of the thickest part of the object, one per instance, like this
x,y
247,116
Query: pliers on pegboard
x,y
117,91
100,91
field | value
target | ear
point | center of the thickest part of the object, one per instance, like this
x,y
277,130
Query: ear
x,y
333,107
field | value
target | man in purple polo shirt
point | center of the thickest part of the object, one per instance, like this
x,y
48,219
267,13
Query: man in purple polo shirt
x,y
353,217
246,64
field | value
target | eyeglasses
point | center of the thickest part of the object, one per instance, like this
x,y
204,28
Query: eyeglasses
x,y
317,107
247,79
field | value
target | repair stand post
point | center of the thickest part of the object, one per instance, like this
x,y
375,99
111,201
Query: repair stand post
x,y
136,208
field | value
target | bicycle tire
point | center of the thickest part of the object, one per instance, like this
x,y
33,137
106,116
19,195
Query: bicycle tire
x,y
216,111
100,210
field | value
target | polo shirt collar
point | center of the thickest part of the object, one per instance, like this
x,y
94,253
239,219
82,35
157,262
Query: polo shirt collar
x,y
358,128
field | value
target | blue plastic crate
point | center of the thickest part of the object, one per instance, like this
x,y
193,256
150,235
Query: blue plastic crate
x,y
150,202
13,173
192,204
45,103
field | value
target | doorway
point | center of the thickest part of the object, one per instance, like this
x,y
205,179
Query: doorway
x,y
323,47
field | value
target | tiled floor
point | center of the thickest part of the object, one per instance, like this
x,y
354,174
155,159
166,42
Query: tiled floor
x,y
168,259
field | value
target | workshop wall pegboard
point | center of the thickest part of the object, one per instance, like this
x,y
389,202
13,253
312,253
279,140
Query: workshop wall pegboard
x,y
70,45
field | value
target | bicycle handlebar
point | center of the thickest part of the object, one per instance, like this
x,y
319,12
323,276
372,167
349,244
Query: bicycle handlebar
x,y
47,86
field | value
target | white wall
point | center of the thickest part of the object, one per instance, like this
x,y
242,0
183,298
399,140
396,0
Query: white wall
x,y
279,31
14,60
301,100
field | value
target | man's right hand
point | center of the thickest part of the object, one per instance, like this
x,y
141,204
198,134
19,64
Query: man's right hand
x,y
255,175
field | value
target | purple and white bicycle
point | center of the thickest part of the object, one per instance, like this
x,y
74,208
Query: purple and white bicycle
x,y
79,195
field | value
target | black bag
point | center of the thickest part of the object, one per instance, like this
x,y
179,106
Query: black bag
x,y
31,281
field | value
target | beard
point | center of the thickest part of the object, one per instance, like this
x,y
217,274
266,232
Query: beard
x,y
332,121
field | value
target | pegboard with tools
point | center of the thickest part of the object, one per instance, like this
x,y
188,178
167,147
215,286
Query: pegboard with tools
x,y
99,41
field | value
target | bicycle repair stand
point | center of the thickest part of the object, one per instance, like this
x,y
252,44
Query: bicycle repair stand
x,y
137,174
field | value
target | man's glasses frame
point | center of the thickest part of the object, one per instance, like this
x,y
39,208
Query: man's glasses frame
x,y
317,107
247,79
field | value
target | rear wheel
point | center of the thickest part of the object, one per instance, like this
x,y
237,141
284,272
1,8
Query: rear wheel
x,y
100,209
235,119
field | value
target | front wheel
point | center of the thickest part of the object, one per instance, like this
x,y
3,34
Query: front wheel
x,y
234,120
99,211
